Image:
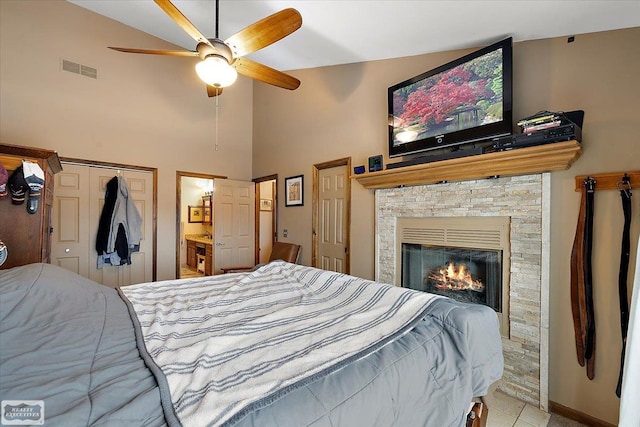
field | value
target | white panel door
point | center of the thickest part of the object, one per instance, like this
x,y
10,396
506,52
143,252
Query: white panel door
x,y
332,215
77,209
234,223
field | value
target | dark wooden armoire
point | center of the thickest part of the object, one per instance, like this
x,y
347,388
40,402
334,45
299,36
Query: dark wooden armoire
x,y
27,236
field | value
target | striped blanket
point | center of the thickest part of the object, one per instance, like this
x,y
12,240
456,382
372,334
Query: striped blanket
x,y
225,345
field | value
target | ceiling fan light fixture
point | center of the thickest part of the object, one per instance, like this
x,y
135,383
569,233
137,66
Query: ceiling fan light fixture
x,y
216,71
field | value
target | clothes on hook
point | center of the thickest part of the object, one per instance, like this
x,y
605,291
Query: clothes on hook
x,y
34,177
120,225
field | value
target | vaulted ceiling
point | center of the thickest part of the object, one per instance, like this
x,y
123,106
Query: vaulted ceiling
x,y
346,31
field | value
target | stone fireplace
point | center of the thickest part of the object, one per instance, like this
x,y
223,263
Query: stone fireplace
x,y
517,209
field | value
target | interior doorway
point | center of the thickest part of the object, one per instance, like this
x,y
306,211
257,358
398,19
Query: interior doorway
x,y
332,215
192,190
266,216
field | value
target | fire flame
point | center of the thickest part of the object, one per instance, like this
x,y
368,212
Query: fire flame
x,y
455,278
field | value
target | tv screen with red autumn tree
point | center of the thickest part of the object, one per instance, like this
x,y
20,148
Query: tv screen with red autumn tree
x,y
465,98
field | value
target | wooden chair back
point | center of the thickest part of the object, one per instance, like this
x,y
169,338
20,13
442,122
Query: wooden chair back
x,y
288,252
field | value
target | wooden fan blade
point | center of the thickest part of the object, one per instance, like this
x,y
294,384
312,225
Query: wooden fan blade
x,y
265,74
182,21
265,32
213,91
156,51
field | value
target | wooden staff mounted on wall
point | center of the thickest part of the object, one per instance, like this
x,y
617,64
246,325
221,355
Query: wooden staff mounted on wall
x,y
624,182
609,181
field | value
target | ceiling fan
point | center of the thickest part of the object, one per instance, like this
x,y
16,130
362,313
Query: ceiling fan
x,y
223,60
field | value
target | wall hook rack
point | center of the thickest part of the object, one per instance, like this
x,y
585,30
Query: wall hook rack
x,y
624,183
609,181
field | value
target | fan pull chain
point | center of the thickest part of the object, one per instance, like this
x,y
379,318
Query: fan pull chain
x,y
216,147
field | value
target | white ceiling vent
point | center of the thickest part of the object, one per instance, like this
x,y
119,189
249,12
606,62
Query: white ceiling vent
x,y
76,68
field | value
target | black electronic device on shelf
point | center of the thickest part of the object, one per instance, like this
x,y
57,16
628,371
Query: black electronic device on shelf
x,y
543,128
566,132
456,154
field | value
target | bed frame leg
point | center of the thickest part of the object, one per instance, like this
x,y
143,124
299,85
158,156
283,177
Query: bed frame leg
x,y
478,415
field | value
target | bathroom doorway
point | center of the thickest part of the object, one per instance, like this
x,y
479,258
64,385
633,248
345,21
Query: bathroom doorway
x,y
193,223
266,216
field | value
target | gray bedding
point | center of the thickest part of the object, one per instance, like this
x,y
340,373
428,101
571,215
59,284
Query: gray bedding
x,y
425,378
70,342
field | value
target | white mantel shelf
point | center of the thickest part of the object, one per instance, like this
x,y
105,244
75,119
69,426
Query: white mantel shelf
x,y
521,161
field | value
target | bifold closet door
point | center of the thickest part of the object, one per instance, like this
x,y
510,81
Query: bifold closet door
x,y
70,238
78,203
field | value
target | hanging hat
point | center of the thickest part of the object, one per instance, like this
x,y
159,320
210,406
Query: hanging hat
x,y
34,176
4,177
18,187
3,252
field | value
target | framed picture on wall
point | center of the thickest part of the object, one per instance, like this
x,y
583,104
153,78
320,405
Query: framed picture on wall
x,y
293,189
196,213
206,211
266,205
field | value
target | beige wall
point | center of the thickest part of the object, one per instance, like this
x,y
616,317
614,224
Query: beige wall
x,y
341,111
142,110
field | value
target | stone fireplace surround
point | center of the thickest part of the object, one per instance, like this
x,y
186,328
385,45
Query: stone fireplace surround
x,y
525,199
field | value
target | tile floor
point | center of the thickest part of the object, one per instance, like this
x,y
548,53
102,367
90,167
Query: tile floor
x,y
187,272
506,411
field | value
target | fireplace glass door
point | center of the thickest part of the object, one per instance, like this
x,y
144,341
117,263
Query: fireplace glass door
x,y
469,275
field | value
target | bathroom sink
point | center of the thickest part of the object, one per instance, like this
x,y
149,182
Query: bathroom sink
x,y
200,238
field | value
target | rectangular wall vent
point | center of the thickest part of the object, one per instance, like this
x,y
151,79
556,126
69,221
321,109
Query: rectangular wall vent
x,y
71,67
83,70
88,71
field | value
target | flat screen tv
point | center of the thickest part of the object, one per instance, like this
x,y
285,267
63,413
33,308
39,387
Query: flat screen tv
x,y
462,102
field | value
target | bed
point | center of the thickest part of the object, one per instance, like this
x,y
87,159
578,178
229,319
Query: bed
x,y
285,345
